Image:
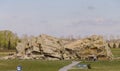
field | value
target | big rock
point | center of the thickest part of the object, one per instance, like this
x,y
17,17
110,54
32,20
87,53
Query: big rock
x,y
52,48
90,48
43,47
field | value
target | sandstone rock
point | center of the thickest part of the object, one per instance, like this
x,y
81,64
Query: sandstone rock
x,y
52,48
48,46
94,45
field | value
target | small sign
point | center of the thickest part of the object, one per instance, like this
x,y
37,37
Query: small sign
x,y
84,66
19,68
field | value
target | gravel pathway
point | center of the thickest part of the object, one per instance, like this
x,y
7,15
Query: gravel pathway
x,y
66,68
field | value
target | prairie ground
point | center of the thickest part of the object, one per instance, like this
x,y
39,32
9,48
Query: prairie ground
x,y
101,66
32,65
116,52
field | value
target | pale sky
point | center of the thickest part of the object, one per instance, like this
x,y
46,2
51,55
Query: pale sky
x,y
60,17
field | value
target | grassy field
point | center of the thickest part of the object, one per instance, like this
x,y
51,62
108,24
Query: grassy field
x,y
101,66
32,65
116,52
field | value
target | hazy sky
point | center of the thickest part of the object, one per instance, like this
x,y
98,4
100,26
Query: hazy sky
x,y
60,17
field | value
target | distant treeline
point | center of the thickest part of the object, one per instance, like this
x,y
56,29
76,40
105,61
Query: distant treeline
x,y
8,40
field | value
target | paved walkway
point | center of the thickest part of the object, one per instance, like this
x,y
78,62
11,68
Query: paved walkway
x,y
66,68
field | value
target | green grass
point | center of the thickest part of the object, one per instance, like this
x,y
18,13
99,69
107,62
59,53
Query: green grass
x,y
101,66
116,52
32,65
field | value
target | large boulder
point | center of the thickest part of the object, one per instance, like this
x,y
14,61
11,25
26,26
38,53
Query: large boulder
x,y
47,46
52,48
90,48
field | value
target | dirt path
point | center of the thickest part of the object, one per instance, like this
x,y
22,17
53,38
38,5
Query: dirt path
x,y
66,68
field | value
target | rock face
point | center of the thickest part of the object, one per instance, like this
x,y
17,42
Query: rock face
x,y
42,47
93,47
52,48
